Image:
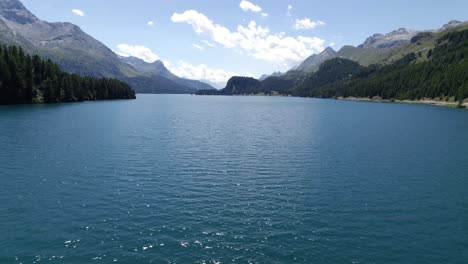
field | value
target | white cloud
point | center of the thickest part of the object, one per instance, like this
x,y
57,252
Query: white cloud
x,y
198,47
78,12
201,72
167,63
209,44
332,44
253,39
249,6
264,14
290,7
140,52
151,23
306,23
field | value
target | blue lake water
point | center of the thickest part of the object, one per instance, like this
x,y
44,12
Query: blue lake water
x,y
191,179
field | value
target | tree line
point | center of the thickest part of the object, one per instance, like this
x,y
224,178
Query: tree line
x,y
26,79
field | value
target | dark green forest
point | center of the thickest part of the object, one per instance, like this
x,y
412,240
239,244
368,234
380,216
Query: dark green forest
x,y
26,79
441,73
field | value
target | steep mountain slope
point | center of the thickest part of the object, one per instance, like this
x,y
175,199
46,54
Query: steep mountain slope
x,y
157,68
9,37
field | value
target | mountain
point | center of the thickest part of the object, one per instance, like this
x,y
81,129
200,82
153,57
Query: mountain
x,y
64,43
274,74
452,24
283,84
157,68
241,85
440,74
77,52
312,63
383,49
390,40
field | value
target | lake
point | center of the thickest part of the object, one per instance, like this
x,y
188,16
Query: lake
x,y
194,179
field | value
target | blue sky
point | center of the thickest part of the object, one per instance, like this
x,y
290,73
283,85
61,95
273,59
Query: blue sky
x,y
214,39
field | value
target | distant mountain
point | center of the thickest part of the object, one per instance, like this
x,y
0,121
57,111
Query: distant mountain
x,y
452,24
158,85
157,68
275,74
390,40
312,63
77,52
283,84
382,49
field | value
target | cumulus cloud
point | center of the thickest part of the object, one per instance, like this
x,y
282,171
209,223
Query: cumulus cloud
x,y
254,39
78,12
198,47
209,44
151,23
136,51
264,14
167,63
249,6
306,23
332,44
202,72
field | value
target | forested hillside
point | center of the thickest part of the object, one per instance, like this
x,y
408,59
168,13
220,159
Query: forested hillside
x,y
29,79
443,74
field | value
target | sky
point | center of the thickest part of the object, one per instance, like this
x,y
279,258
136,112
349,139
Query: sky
x,y
215,39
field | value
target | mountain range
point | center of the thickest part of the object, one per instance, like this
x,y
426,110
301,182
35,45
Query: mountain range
x,y
77,52
378,48
401,65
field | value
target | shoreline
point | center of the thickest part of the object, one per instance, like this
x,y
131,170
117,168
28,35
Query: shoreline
x,y
464,105
432,102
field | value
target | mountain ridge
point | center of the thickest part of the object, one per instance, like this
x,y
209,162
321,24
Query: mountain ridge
x,y
378,48
77,52
158,68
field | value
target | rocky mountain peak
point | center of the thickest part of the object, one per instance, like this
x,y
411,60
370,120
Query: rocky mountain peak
x,y
450,24
14,10
400,31
328,50
312,63
392,39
